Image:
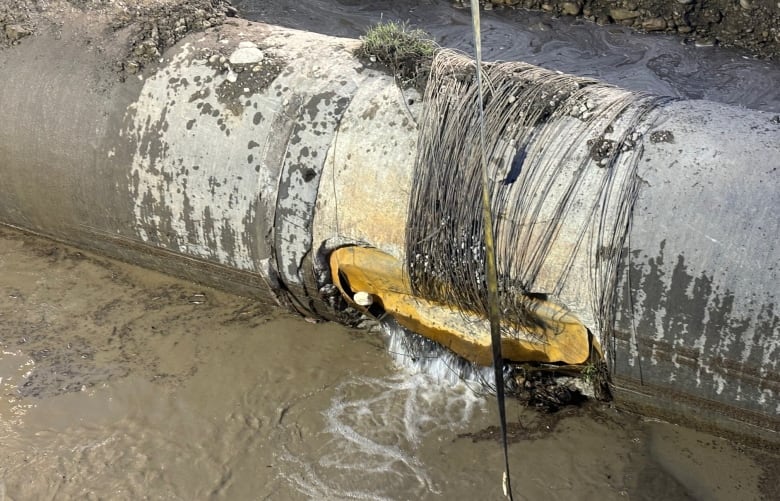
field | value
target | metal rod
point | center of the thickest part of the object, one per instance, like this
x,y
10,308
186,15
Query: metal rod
x,y
491,273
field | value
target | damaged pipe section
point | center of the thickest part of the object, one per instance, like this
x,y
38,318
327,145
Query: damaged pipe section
x,y
631,229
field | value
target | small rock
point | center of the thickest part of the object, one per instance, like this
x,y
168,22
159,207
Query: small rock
x,y
247,45
231,77
570,8
654,24
623,14
705,42
16,32
214,59
363,299
685,2
246,55
746,4
255,69
488,6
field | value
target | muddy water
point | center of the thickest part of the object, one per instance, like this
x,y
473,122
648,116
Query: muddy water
x,y
655,63
119,383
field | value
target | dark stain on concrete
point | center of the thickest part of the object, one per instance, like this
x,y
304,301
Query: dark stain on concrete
x,y
205,109
187,215
228,241
208,229
684,319
308,174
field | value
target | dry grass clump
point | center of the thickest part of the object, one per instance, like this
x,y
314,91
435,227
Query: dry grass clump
x,y
406,51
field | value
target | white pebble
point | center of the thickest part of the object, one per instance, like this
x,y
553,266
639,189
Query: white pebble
x,y
363,299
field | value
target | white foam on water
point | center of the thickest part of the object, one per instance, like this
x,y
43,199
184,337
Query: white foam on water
x,y
376,428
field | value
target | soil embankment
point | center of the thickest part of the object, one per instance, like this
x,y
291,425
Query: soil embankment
x,y
752,25
149,26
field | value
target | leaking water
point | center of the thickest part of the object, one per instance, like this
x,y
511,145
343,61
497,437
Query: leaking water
x,y
419,355
655,63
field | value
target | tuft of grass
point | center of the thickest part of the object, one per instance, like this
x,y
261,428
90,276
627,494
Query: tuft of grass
x,y
589,372
406,51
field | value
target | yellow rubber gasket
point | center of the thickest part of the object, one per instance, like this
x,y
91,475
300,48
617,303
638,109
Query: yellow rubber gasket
x,y
554,334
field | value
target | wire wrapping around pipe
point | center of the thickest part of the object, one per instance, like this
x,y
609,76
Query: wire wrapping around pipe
x,y
561,155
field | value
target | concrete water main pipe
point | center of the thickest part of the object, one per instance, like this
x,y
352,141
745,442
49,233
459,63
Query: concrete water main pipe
x,y
249,154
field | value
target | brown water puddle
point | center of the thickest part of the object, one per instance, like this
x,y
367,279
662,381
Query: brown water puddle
x,y
119,383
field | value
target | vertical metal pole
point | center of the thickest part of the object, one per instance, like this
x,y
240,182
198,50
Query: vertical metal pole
x,y
491,273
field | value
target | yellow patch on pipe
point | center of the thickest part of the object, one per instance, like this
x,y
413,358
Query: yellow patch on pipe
x,y
553,334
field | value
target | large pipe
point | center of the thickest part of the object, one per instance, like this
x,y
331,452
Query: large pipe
x,y
245,172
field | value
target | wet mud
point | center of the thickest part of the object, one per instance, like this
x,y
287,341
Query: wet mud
x,y
120,383
753,25
147,27
688,65
658,62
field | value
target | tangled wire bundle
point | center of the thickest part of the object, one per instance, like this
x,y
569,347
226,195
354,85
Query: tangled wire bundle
x,y
562,156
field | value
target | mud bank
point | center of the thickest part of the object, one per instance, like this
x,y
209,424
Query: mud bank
x,y
753,25
148,27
